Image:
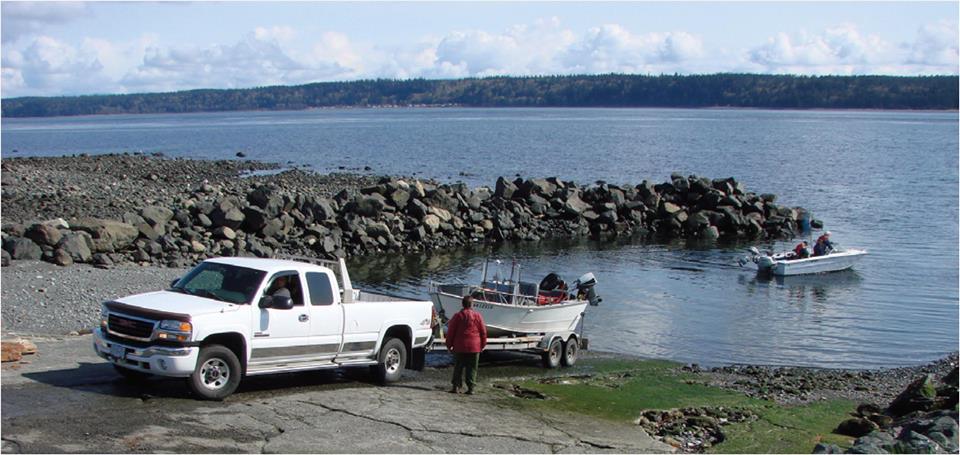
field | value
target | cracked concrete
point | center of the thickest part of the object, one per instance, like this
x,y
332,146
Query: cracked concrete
x,y
68,400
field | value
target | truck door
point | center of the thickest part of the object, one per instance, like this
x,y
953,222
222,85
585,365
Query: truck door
x,y
327,326
280,335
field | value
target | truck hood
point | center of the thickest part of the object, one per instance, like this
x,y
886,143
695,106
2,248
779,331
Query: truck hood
x,y
176,303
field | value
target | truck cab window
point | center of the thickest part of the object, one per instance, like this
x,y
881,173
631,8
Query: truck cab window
x,y
320,291
286,284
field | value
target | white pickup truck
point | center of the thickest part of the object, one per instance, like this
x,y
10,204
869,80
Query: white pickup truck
x,y
234,317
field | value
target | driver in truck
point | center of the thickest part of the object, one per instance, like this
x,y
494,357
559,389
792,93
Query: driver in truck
x,y
279,287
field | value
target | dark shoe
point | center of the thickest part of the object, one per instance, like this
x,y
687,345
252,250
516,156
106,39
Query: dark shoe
x,y
469,391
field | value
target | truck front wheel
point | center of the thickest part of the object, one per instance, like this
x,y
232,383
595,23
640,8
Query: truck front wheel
x,y
393,357
217,373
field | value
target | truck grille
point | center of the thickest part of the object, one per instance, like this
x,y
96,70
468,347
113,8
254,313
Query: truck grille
x,y
130,327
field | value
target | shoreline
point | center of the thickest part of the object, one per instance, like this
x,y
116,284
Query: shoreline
x,y
444,106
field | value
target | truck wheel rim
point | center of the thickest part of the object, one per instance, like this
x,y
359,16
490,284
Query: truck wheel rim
x,y
392,361
571,350
214,373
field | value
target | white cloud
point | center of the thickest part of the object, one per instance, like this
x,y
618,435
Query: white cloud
x,y
845,50
936,46
20,19
281,55
612,48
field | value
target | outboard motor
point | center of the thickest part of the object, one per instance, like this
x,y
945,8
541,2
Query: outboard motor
x,y
586,288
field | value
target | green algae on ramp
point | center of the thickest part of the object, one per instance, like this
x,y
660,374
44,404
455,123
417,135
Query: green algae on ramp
x,y
620,390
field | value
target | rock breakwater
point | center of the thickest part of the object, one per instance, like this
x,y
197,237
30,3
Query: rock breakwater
x,y
152,210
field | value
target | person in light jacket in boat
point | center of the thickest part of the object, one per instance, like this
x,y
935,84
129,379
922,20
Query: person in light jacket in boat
x,y
466,337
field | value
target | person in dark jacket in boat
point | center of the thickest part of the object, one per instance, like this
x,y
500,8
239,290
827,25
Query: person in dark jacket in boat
x,y
801,251
466,337
824,245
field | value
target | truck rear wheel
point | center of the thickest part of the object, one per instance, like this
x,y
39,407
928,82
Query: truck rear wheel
x,y
392,359
571,349
551,358
217,373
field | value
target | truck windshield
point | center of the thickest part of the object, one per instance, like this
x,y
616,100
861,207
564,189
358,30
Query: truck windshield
x,y
224,282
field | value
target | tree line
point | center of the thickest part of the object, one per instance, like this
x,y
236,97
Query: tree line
x,y
611,90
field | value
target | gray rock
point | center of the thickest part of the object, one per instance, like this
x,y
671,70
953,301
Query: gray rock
x,y
22,248
78,245
913,442
43,234
856,427
369,205
148,232
231,218
61,257
156,215
273,228
400,198
431,222
4,258
827,448
504,189
224,232
417,209
108,235
254,219
920,395
204,220
574,205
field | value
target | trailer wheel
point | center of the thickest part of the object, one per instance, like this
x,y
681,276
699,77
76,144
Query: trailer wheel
x,y
393,357
551,358
571,349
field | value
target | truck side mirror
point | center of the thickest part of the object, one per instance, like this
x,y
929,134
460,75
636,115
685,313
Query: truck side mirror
x,y
276,301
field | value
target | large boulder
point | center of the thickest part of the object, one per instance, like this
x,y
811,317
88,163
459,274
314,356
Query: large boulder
x,y
856,427
230,217
504,188
574,205
77,245
22,248
4,258
431,222
43,234
108,235
156,215
920,395
369,205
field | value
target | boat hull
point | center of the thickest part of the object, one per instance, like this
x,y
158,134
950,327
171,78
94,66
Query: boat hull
x,y
819,264
504,319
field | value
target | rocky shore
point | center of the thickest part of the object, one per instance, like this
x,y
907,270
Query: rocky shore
x,y
110,209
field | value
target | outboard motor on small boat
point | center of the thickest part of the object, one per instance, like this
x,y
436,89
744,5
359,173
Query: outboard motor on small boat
x,y
586,287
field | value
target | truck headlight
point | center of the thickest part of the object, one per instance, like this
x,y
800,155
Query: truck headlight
x,y
104,317
174,330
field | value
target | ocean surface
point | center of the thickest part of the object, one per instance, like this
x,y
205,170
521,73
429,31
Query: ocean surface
x,y
884,181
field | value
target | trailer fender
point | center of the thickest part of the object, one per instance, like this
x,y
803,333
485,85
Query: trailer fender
x,y
548,338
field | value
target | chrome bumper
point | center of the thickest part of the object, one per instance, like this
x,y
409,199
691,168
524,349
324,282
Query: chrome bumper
x,y
159,360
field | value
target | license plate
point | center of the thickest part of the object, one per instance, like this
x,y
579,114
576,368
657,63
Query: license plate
x,y
118,352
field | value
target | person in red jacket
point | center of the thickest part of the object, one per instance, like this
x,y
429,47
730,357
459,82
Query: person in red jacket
x,y
466,337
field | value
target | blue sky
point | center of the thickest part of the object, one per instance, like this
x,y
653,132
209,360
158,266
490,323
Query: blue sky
x,y
55,48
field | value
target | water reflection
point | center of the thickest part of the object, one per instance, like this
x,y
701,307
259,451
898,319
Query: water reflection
x,y
801,288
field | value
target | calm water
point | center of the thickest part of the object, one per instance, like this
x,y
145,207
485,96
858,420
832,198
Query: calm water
x,y
884,181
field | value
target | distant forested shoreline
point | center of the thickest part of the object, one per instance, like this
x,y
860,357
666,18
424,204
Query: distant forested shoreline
x,y
611,90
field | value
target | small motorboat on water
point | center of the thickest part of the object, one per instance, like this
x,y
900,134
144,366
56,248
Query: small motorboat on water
x,y
787,263
511,306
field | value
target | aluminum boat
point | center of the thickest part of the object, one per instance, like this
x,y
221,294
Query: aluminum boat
x,y
787,264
